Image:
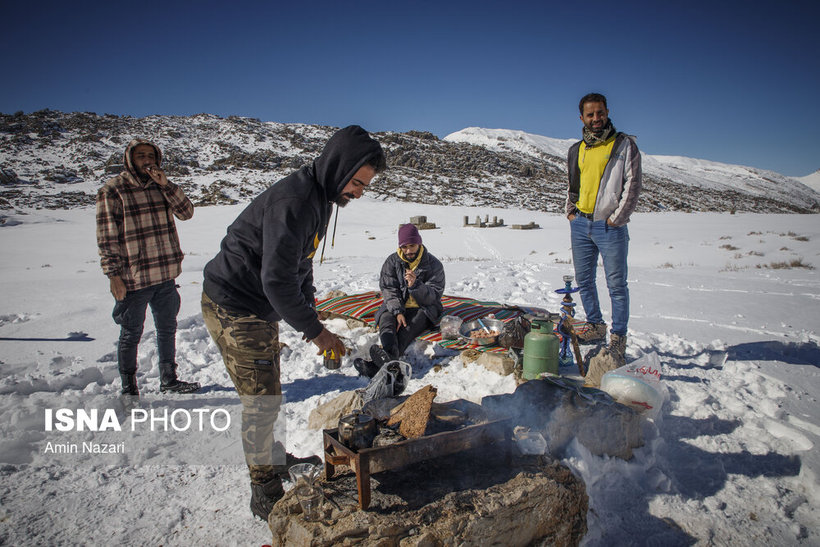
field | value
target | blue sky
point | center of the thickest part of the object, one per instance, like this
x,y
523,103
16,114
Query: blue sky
x,y
735,82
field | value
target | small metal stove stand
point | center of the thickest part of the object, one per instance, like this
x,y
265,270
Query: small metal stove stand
x,y
374,460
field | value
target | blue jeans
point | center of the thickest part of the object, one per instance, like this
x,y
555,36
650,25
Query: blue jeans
x,y
589,239
129,314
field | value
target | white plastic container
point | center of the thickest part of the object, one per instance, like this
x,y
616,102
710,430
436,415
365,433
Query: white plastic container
x,y
638,385
631,391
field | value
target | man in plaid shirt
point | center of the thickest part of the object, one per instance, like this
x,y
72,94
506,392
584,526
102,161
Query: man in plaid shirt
x,y
141,256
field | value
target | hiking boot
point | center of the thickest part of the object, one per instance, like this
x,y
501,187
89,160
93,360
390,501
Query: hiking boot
x,y
264,496
368,369
379,356
129,396
180,387
617,346
591,332
168,380
129,384
291,460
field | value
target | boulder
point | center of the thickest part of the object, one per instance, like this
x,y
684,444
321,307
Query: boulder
x,y
326,416
470,498
8,176
599,364
563,413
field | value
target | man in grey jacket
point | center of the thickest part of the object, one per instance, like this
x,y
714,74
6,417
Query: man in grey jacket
x,y
604,184
412,283
262,274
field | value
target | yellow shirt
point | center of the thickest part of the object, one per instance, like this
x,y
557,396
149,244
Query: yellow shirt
x,y
592,162
411,302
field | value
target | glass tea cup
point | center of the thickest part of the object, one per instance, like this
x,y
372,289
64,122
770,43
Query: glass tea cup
x,y
311,499
304,474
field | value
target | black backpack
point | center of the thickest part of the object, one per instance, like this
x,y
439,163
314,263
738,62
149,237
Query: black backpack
x,y
512,336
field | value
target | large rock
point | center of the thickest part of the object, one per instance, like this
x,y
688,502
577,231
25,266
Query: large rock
x,y
414,413
8,176
561,414
471,498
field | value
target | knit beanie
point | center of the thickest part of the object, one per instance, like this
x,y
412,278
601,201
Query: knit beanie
x,y
409,234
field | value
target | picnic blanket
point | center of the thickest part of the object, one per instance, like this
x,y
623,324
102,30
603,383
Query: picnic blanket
x,y
363,307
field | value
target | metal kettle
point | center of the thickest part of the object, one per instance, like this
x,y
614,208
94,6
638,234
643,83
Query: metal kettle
x,y
357,430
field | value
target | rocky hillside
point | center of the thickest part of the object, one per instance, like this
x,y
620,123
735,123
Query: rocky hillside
x,y
51,159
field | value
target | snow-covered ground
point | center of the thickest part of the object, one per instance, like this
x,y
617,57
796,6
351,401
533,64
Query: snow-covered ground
x,y
731,460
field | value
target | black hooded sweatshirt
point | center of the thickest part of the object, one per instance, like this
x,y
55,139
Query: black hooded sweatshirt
x,y
265,265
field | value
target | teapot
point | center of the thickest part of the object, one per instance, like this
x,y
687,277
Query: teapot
x,y
357,430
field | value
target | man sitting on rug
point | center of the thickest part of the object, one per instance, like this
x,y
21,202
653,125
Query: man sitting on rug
x,y
412,283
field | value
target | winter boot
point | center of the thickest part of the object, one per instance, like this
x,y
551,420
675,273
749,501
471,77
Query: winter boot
x,y
129,384
617,347
168,380
130,395
291,460
365,368
263,496
592,332
379,356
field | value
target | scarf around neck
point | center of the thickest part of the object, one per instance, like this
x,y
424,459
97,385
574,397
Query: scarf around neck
x,y
412,265
591,139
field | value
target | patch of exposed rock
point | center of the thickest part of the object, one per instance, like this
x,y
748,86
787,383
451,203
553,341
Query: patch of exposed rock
x,y
243,156
471,498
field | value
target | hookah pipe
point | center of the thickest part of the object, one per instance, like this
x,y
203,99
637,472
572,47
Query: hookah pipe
x,y
565,327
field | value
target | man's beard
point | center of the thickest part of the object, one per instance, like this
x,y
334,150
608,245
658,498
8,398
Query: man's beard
x,y
344,199
142,174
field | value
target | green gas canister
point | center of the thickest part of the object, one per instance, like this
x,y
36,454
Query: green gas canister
x,y
540,350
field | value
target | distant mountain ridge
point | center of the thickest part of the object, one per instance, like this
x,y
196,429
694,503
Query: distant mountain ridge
x,y
703,174
51,159
812,181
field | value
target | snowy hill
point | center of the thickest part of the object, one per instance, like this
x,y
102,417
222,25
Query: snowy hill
x,y
812,181
703,174
57,160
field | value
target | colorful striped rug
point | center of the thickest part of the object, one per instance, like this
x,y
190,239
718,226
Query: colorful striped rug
x,y
363,307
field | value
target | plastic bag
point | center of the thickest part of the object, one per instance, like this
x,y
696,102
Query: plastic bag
x,y
638,385
450,326
390,381
512,336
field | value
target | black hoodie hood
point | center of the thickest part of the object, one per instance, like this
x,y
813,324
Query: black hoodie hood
x,y
344,154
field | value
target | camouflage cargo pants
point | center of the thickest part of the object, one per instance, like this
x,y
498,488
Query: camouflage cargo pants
x,y
250,349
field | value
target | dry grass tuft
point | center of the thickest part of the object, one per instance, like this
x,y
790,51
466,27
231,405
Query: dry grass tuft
x,y
787,265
